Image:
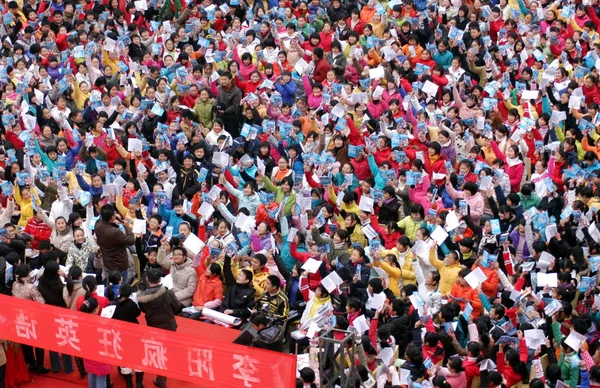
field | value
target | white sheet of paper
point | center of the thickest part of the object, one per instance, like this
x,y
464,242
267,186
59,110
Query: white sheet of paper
x,y
452,221
430,88
558,116
378,301
139,226
475,278
370,232
134,145
575,340
376,73
485,183
292,234
119,181
338,111
206,210
574,102
261,166
311,265
534,338
386,355
193,244
331,281
547,279
529,94
439,235
167,281
108,311
421,249
550,231
366,204
360,324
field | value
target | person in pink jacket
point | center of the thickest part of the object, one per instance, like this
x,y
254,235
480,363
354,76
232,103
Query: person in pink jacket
x,y
471,194
514,166
98,372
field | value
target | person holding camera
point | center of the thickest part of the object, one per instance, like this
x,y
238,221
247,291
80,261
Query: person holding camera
x,y
113,237
274,301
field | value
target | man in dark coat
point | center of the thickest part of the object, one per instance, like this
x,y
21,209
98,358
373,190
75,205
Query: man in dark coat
x,y
160,306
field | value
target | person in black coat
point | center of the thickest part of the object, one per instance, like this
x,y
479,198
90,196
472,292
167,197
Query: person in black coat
x,y
128,311
388,206
160,306
239,295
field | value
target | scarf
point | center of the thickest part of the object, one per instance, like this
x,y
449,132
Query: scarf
x,y
513,161
318,302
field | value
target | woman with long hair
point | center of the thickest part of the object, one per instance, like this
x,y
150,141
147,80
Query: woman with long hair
x,y
51,287
23,288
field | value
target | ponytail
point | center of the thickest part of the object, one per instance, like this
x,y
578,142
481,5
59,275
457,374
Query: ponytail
x,y
114,279
74,274
89,285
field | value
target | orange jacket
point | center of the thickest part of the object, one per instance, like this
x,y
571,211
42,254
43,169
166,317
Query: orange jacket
x,y
471,295
490,286
209,289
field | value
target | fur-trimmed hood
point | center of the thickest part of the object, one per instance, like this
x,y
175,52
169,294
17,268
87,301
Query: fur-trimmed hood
x,y
151,294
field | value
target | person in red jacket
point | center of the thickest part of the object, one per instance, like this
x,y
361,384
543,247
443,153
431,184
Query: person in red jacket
x,y
321,65
314,279
462,290
591,90
511,364
435,162
37,228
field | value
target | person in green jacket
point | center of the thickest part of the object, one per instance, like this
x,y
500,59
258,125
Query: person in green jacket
x,y
443,56
283,194
528,197
569,367
413,222
204,110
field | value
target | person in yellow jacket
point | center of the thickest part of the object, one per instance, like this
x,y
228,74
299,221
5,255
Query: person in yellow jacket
x,y
448,269
23,198
391,267
354,229
404,257
260,272
411,223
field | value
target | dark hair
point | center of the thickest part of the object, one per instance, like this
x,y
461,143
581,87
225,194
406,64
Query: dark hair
x,y
153,275
75,273
125,290
107,212
114,278
89,305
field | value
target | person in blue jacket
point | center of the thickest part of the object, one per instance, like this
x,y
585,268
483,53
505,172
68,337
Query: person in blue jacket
x,y
287,88
172,217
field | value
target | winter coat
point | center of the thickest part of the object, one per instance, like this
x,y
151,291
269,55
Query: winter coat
x,y
476,202
249,202
78,292
170,217
209,289
287,91
113,244
237,297
184,277
79,256
160,307
471,295
204,112
38,230
62,240
127,310
340,254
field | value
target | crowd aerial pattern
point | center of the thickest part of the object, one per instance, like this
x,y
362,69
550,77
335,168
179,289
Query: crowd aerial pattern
x,y
419,175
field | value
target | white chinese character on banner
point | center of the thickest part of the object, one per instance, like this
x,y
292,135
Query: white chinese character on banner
x,y
67,333
155,355
245,368
112,347
26,327
200,363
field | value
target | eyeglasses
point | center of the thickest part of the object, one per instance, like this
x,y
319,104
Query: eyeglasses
x,y
179,254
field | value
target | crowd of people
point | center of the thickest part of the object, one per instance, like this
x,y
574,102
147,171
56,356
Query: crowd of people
x,y
419,175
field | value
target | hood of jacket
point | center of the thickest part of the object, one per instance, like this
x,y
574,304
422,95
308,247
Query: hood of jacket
x,y
151,294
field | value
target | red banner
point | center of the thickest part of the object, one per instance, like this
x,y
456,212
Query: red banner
x,y
210,363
